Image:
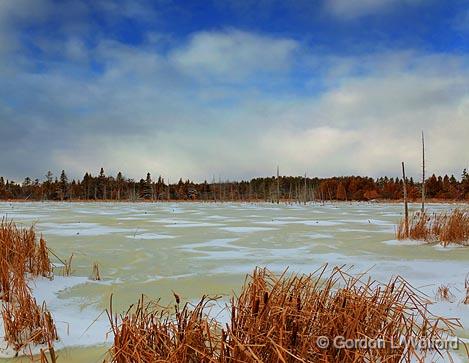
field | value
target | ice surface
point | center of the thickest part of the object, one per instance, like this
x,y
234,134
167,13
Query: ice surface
x,y
208,248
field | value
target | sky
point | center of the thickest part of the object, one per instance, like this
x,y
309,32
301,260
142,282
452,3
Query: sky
x,y
231,89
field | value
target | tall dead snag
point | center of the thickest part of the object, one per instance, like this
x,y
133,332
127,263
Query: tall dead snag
x,y
406,207
423,173
305,196
278,186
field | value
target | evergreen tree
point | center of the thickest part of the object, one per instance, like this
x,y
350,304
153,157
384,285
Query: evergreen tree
x,y
101,185
48,185
63,185
119,183
465,183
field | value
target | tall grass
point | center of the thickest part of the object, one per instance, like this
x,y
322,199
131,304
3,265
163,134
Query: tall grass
x,y
280,319
22,256
149,332
445,228
25,322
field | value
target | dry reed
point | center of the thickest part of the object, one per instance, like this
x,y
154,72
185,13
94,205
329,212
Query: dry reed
x,y
25,322
466,285
52,355
148,332
444,294
67,266
96,275
23,256
445,228
280,319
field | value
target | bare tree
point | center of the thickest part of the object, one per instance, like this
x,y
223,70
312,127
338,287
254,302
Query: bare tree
x,y
406,207
278,186
423,173
305,191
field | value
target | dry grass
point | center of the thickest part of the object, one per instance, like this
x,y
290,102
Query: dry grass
x,y
149,332
95,275
279,319
52,358
445,228
67,266
25,322
444,294
23,256
466,285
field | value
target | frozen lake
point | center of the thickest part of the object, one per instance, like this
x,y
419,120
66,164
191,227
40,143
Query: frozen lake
x,y
195,249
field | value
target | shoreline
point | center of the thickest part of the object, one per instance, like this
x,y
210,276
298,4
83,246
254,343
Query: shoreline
x,y
104,201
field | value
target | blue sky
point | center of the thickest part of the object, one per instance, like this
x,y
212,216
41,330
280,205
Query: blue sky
x,y
230,89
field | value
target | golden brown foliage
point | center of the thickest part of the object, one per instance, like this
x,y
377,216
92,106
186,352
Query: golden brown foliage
x,y
280,319
445,228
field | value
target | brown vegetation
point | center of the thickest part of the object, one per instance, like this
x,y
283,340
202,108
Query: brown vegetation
x,y
148,332
25,322
96,275
446,228
444,294
23,256
67,266
280,319
466,285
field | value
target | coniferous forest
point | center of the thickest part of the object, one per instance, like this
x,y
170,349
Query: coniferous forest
x,y
269,189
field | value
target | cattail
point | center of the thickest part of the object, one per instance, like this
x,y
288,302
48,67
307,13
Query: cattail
x,y
255,309
176,296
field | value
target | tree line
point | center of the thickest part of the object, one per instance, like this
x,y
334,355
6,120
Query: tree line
x,y
270,189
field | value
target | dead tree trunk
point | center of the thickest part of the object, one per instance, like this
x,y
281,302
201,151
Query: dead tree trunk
x,y
406,207
305,191
169,190
278,186
423,173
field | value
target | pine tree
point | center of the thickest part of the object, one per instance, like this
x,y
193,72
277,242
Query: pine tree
x,y
101,187
148,188
63,185
465,183
48,184
119,182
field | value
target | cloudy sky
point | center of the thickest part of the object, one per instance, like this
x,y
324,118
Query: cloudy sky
x,y
230,89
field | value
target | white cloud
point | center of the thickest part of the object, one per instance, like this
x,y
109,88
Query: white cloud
x,y
366,125
370,122
351,9
143,113
232,54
